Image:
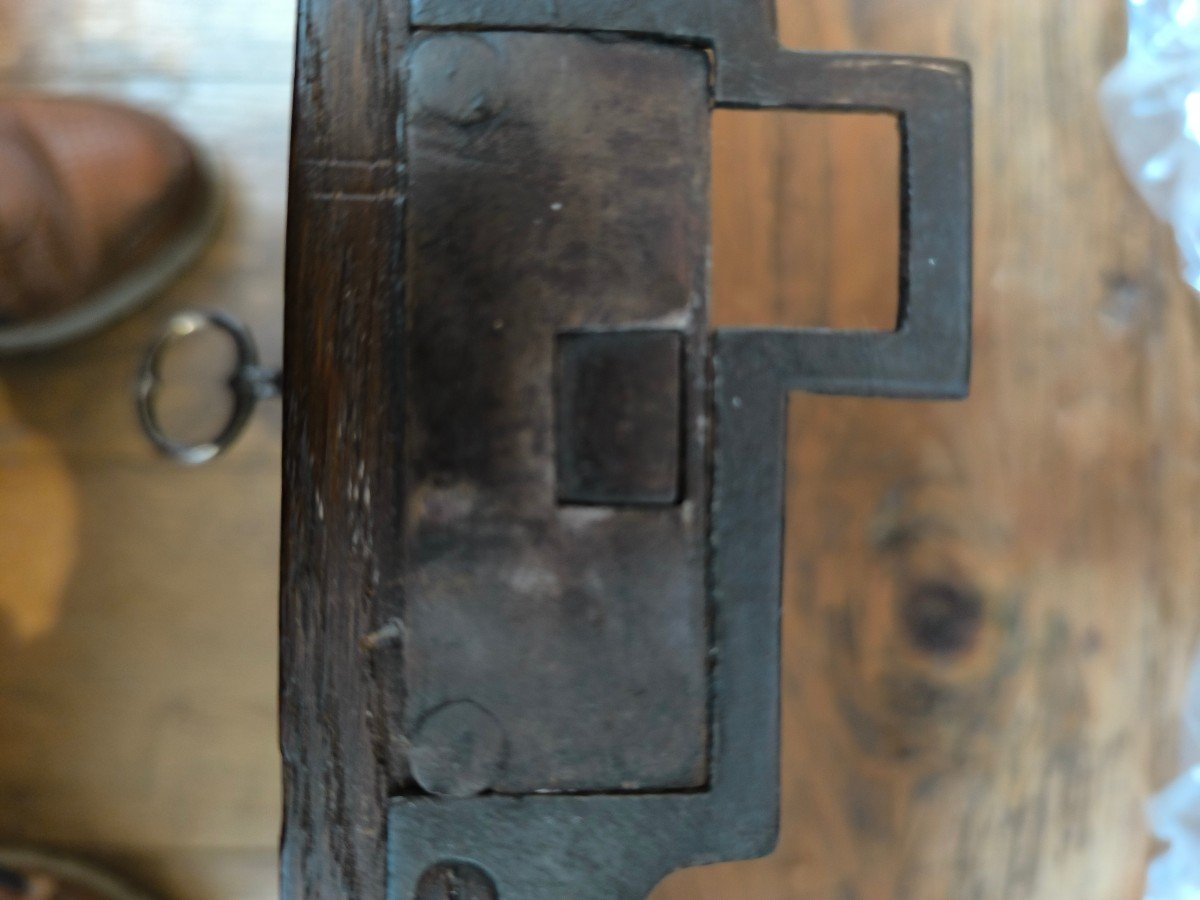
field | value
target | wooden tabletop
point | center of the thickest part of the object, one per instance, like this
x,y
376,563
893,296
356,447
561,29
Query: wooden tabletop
x,y
989,607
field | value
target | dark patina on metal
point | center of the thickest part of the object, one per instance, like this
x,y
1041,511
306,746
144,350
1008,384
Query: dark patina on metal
x,y
620,417
557,222
574,672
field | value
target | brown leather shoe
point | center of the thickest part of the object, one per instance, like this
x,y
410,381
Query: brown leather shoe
x,y
101,206
30,875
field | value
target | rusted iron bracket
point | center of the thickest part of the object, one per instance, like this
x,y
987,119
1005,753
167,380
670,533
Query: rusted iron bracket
x,y
579,692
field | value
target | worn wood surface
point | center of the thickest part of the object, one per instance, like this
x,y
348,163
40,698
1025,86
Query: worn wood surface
x,y
989,606
343,444
138,602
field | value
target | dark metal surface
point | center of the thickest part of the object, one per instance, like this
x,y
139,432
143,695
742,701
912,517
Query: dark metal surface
x,y
455,881
567,536
612,846
929,354
580,630
620,417
615,847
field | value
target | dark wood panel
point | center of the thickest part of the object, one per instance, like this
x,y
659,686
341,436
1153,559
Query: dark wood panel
x,y
342,439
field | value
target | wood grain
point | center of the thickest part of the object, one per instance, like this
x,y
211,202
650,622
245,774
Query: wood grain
x,y
989,607
344,318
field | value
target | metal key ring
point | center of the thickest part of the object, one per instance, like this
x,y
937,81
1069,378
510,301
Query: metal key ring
x,y
250,383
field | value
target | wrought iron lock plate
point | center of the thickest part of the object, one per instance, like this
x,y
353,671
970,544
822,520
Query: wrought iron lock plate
x,y
579,691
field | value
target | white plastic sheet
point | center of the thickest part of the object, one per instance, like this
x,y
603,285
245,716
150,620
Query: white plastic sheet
x,y
1151,103
1175,815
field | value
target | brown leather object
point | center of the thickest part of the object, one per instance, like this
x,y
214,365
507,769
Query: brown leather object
x,y
32,875
93,194
38,886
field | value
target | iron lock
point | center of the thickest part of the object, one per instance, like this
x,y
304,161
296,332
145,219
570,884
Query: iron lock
x,y
533,503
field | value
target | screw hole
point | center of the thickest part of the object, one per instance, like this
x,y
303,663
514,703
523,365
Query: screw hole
x,y
456,881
